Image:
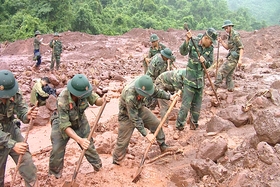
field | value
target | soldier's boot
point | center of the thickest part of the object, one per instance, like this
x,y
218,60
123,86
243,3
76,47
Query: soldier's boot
x,y
166,148
193,125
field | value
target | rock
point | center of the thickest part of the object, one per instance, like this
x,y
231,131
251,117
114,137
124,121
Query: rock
x,y
104,143
43,116
235,115
267,126
212,149
53,79
266,153
51,103
218,124
244,178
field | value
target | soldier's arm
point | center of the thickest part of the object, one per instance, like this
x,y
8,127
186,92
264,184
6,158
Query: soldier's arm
x,y
208,56
40,91
184,48
21,108
151,69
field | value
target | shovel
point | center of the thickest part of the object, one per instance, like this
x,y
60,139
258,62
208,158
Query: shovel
x,y
73,182
140,168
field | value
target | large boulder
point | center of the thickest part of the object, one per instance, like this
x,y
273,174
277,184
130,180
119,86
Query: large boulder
x,y
218,124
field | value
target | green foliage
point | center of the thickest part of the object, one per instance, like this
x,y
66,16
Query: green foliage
x,y
20,18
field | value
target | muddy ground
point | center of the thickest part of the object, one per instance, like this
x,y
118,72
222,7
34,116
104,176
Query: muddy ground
x,y
240,158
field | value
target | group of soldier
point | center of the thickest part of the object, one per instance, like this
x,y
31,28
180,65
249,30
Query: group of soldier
x,y
56,46
159,81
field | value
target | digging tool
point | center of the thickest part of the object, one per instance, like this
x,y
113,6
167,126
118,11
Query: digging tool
x,y
30,126
217,63
140,168
203,65
73,182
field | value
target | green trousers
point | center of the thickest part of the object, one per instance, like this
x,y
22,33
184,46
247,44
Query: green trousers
x,y
55,58
126,129
27,169
59,144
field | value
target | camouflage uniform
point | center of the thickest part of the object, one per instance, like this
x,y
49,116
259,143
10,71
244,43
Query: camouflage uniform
x,y
132,114
194,81
156,67
227,69
152,52
56,46
10,134
70,115
37,54
169,81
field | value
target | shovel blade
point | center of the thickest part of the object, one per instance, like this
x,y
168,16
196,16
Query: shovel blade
x,y
69,184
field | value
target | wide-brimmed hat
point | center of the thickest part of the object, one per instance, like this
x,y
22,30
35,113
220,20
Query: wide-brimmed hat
x,y
37,33
153,38
144,86
227,23
8,84
167,53
56,34
212,34
79,86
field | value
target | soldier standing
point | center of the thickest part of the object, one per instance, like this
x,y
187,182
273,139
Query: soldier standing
x,y
36,44
132,114
11,141
194,82
70,122
234,57
171,81
56,46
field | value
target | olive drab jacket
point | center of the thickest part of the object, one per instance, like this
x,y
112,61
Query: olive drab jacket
x,y
194,69
153,51
14,106
234,44
70,114
129,106
56,45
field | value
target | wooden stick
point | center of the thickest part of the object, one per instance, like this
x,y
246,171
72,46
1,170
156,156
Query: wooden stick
x,y
164,154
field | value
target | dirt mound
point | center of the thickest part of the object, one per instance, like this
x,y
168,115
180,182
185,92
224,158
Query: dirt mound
x,y
110,62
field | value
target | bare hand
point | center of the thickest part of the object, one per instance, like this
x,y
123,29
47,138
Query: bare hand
x,y
20,148
32,113
106,98
220,40
172,97
84,143
150,138
189,35
201,59
239,64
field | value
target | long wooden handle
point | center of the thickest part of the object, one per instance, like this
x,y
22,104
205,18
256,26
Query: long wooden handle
x,y
89,137
203,65
155,134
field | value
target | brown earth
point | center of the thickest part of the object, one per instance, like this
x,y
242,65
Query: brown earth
x,y
110,62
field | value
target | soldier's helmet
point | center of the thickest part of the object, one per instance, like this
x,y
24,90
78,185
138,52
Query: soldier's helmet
x,y
167,53
199,36
227,23
144,86
79,86
153,38
37,33
56,34
8,84
212,34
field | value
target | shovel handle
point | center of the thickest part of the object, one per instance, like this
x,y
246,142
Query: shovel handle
x,y
135,179
89,137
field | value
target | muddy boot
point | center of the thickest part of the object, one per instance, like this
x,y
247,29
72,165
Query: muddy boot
x,y
165,148
193,125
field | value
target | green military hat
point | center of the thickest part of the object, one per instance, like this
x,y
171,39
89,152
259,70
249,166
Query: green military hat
x,y
199,36
227,23
56,34
79,86
8,84
212,34
144,86
37,33
153,38
167,53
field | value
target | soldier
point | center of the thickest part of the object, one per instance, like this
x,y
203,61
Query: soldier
x,y
56,46
70,122
154,49
11,141
37,92
132,114
171,81
37,55
234,57
160,63
194,82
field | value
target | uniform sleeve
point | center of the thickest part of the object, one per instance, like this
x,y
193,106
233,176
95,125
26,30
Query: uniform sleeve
x,y
152,69
51,44
208,55
39,90
63,114
134,117
184,48
159,93
21,109
238,42
6,140
92,98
